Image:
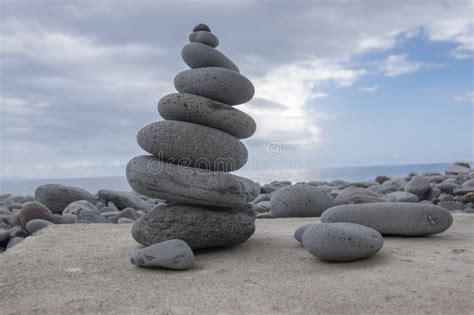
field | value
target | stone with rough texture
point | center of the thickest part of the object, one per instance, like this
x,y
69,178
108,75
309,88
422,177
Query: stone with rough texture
x,y
204,37
199,227
219,84
87,216
193,145
204,111
154,178
451,205
418,185
298,235
201,27
197,55
171,254
56,197
34,210
36,225
344,196
77,207
401,196
122,199
393,218
300,200
364,199
341,241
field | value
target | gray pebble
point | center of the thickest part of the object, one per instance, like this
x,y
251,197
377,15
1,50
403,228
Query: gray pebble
x,y
4,235
451,205
204,111
87,216
36,225
201,27
193,145
344,196
56,197
418,185
14,241
197,55
77,207
401,196
219,84
172,254
204,37
122,199
341,241
298,235
68,218
35,210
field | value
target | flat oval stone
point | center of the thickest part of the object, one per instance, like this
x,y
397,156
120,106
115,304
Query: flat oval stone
x,y
204,37
198,227
299,200
341,241
171,254
201,27
298,235
197,55
346,194
193,145
34,210
218,84
204,111
151,177
393,218
56,197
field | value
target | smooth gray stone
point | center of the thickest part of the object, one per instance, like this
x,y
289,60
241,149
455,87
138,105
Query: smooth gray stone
x,y
197,55
36,225
469,210
418,185
365,199
341,241
128,213
87,216
401,196
108,210
175,183
451,205
204,111
125,221
219,84
298,235
447,187
4,235
300,200
77,207
201,27
171,254
462,163
68,218
463,190
265,215
122,199
393,218
204,37
469,197
274,186
455,169
199,227
193,145
17,231
468,183
344,196
56,197
35,210
14,241
381,179
260,198
433,193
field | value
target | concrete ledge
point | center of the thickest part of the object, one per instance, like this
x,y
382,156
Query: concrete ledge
x,y
85,269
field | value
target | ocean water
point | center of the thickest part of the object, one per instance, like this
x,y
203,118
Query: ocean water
x,y
263,177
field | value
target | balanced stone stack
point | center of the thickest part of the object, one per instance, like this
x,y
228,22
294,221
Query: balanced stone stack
x,y
193,150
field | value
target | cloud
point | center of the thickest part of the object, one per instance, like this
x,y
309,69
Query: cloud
x,y
465,98
369,89
395,65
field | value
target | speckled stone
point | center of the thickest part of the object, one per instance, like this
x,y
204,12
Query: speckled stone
x,y
393,218
401,196
299,200
56,197
341,241
199,227
157,179
204,111
344,196
219,84
204,37
171,254
197,55
298,235
193,145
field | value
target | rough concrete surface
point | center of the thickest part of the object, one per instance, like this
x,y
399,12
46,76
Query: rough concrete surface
x,y
86,269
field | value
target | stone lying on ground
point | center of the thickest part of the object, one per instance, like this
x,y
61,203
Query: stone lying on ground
x,y
401,196
128,213
56,197
298,235
199,227
344,196
204,111
198,55
456,169
341,241
122,199
219,84
275,185
68,218
36,225
393,218
88,216
193,145
418,185
451,205
381,179
299,200
77,207
35,210
4,235
154,178
172,254
364,199
14,241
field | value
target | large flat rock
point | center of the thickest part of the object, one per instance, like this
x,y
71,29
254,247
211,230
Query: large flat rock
x,y
85,269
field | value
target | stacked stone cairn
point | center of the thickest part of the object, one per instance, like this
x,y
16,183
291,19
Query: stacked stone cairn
x,y
192,152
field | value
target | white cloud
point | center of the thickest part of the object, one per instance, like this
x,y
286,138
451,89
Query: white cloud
x,y
395,65
369,89
465,98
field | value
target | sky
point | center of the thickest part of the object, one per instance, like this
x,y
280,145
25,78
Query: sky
x,y
338,83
